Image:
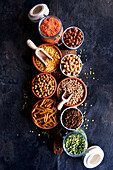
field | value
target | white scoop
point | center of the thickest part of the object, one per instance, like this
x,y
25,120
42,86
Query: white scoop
x,y
39,52
60,105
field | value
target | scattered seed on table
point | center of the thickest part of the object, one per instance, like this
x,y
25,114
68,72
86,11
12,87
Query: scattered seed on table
x,y
92,120
87,120
39,134
91,105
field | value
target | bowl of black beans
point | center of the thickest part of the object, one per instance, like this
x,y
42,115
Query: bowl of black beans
x,y
71,118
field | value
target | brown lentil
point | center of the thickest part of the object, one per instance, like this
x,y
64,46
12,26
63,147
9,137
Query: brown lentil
x,y
72,118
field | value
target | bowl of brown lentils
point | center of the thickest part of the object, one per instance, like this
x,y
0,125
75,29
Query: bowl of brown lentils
x,y
43,85
73,37
75,86
71,118
71,65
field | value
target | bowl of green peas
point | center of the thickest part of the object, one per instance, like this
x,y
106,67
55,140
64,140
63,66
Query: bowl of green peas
x,y
75,144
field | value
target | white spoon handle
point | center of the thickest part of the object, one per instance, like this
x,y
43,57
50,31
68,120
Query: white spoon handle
x,y
60,105
31,44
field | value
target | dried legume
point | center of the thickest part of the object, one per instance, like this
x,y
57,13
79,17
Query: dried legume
x,y
75,144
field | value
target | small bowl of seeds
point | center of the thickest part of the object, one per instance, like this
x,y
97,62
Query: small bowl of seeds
x,y
71,118
75,144
44,85
71,65
73,37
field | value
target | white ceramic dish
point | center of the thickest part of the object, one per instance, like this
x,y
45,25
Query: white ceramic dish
x,y
93,157
61,66
74,156
72,48
64,113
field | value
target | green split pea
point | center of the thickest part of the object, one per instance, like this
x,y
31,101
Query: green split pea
x,y
75,144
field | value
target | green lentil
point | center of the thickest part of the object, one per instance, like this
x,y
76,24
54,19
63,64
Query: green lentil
x,y
75,144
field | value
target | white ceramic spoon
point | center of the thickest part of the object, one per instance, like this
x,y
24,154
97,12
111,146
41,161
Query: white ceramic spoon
x,y
60,105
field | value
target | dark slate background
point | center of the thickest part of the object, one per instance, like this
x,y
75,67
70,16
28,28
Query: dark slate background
x,y
21,147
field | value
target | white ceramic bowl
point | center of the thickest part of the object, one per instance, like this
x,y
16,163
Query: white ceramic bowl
x,y
61,66
72,155
64,113
72,48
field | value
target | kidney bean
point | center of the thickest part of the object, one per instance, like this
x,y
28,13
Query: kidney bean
x,y
73,37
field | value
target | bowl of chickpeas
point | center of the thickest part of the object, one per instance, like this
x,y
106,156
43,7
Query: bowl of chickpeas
x,y
52,65
71,65
43,85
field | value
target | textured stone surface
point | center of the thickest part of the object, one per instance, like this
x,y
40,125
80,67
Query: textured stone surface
x,y
20,145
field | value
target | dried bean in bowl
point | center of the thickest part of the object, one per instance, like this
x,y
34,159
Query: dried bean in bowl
x,y
73,37
71,65
43,85
71,118
75,86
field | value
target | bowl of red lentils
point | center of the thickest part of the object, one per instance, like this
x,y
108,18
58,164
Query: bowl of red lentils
x,y
52,65
71,65
43,85
75,86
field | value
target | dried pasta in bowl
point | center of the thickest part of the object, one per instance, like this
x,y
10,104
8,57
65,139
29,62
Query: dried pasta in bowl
x,y
45,114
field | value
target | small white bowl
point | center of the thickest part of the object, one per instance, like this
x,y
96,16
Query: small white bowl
x,y
61,66
72,48
64,113
93,157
